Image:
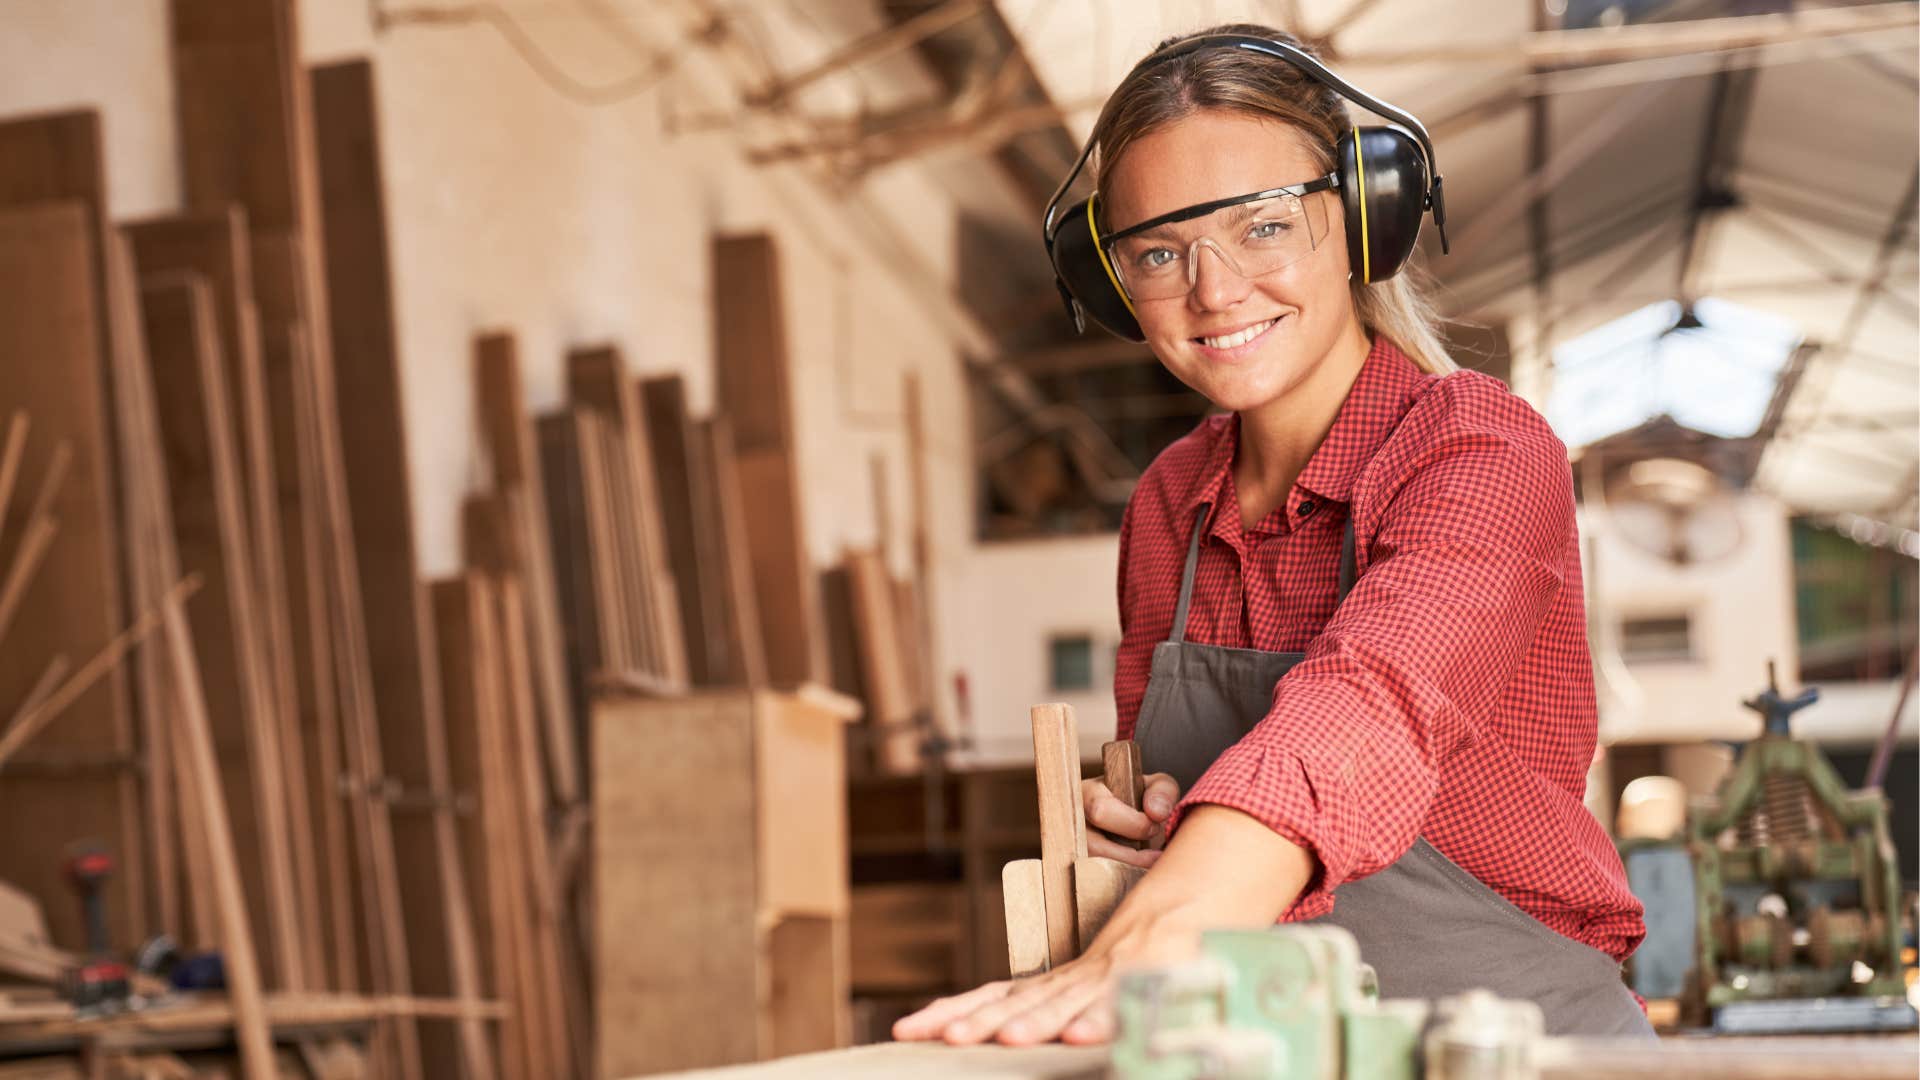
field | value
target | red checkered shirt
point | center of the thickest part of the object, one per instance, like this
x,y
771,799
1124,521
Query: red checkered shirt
x,y
1450,696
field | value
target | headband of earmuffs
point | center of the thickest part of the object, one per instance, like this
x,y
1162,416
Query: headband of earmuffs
x,y
1387,180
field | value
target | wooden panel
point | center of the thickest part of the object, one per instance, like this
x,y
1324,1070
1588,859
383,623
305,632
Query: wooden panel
x,y
1063,836
507,429
885,677
800,768
676,973
723,536
470,668
786,593
752,366
684,503
750,343
1098,887
203,482
49,331
1023,890
597,378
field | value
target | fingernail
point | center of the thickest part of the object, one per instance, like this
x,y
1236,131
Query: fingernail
x,y
1014,1030
1160,805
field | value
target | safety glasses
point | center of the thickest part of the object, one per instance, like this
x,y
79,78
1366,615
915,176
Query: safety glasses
x,y
1253,234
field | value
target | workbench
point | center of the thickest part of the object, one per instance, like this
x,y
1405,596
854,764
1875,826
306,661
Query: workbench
x,y
1683,1058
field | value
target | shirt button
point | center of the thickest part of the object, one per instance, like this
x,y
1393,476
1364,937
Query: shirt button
x,y
1307,507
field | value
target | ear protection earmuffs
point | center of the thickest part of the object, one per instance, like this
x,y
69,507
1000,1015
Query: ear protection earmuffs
x,y
1387,180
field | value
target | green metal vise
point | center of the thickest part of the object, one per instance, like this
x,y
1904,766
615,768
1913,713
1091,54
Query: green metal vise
x,y
1797,887
1296,1002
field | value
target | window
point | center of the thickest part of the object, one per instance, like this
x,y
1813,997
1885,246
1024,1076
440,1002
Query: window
x,y
1655,638
1072,662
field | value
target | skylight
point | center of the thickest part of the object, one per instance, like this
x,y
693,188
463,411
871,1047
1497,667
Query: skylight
x,y
1712,369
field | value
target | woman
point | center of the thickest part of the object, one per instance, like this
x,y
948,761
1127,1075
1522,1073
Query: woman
x,y
1393,536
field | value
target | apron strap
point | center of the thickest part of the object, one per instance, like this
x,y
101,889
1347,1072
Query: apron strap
x,y
1186,576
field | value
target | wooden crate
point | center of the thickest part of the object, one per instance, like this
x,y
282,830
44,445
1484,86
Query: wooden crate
x,y
719,876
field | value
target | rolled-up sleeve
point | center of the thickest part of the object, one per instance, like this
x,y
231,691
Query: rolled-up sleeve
x,y
1457,578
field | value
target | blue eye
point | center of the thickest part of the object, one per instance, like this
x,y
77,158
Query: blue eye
x,y
1156,259
1269,230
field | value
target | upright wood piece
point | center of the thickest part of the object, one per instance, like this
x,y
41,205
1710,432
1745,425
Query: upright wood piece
x,y
753,367
1024,892
507,429
723,534
1063,836
1124,776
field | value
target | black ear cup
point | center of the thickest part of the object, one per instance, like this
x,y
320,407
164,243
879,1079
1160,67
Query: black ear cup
x,y
1383,184
1083,275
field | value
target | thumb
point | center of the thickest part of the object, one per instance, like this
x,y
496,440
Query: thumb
x,y
1161,795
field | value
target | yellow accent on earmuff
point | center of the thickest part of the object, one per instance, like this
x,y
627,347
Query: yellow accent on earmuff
x,y
1093,229
1360,176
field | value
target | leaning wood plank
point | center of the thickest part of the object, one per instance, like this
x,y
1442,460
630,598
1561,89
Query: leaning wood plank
x,y
507,429
680,495
1063,836
50,311
50,678
722,533
201,776
1098,887
203,483
883,669
1023,889
1124,776
546,988
469,665
597,378
752,365
365,365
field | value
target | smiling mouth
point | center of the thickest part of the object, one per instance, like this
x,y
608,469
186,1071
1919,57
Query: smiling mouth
x,y
1238,337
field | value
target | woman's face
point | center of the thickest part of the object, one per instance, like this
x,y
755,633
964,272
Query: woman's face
x,y
1296,313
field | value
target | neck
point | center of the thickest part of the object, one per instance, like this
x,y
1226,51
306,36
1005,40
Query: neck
x,y
1278,438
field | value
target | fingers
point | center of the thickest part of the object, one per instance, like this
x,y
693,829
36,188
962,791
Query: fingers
x,y
1037,1011
1109,814
929,1022
1101,847
1163,794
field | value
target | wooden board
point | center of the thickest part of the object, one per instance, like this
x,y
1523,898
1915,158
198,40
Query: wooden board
x,y
1063,836
597,378
885,679
685,501
722,534
752,366
887,1061
1023,890
507,430
470,669
49,311
676,976
202,469
801,839
1098,887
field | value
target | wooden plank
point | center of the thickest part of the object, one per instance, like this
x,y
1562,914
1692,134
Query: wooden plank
x,y
801,838
597,378
786,591
884,675
723,533
806,964
1125,777
507,431
201,784
1098,887
1024,892
1063,837
684,502
752,367
469,663
676,973
49,311
549,996
209,532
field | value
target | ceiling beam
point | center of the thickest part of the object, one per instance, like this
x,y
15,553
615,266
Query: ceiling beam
x,y
1720,140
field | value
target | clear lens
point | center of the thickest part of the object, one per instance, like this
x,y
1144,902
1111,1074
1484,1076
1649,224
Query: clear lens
x,y
1252,238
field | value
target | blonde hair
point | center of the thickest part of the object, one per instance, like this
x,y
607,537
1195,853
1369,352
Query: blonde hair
x,y
1236,80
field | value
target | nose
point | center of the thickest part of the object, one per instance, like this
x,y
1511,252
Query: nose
x,y
1216,284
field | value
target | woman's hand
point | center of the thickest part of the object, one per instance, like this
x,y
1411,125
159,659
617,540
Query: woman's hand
x,y
1110,818
1224,871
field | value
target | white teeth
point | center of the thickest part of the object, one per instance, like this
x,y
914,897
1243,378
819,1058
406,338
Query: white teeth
x,y
1239,338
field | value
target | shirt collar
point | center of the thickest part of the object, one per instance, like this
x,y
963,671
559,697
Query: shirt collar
x,y
1381,394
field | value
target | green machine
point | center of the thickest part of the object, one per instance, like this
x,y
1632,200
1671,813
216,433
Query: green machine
x,y
1797,893
1295,1001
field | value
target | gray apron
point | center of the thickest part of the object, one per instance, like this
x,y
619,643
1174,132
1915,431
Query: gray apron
x,y
1429,928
